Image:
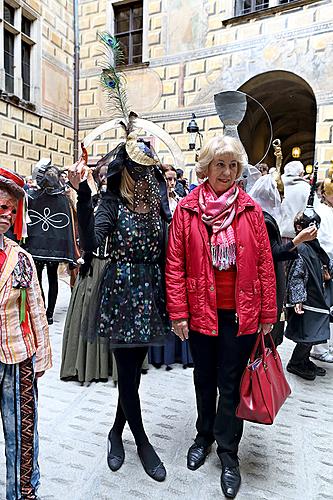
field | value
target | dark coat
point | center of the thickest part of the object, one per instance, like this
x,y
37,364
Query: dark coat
x,y
50,232
305,285
281,253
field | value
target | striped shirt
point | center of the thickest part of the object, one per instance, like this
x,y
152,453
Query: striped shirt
x,y
17,345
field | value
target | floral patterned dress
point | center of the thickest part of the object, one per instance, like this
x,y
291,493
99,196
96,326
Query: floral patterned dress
x,y
132,301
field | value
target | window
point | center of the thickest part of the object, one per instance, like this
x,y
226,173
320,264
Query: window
x,y
128,27
9,14
9,60
17,31
26,26
246,6
26,70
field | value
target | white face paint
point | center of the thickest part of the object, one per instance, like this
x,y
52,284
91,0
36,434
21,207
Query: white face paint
x,y
8,207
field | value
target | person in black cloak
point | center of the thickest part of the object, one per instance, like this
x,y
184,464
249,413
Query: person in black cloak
x,y
309,297
132,311
266,194
50,230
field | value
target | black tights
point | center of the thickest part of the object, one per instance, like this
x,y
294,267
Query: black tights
x,y
129,363
52,275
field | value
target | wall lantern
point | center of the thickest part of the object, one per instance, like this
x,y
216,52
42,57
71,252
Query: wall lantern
x,y
194,132
296,152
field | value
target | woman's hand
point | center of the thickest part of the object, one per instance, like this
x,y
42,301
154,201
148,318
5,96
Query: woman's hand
x,y
265,328
78,173
180,327
307,234
299,308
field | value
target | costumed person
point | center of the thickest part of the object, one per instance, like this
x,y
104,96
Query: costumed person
x,y
25,351
309,298
220,292
180,187
131,313
296,193
174,350
324,352
50,231
263,168
82,360
265,192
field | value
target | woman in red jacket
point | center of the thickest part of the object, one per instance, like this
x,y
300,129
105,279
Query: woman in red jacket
x,y
220,292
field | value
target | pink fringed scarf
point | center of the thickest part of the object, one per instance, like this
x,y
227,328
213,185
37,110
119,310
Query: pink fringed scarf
x,y
219,212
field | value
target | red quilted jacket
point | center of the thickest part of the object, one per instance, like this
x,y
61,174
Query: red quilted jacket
x,y
190,280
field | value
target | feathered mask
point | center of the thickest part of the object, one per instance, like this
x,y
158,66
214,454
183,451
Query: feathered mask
x,y
113,82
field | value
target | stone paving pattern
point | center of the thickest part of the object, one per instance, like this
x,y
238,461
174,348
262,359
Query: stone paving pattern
x,y
293,459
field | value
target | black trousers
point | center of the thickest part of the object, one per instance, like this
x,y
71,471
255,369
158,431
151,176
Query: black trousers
x,y
129,363
301,355
52,276
219,363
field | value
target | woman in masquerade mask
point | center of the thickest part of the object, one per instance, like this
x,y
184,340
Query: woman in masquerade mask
x,y
220,291
131,313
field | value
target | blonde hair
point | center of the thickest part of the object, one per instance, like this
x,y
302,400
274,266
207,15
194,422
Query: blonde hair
x,y
218,146
127,187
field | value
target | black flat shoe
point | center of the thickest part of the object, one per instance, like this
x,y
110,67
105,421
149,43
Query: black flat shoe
x,y
303,372
115,460
321,372
196,456
230,481
157,473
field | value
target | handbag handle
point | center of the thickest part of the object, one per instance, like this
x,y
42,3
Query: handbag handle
x,y
256,346
260,343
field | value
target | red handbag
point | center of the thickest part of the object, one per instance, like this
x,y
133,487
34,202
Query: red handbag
x,y
264,387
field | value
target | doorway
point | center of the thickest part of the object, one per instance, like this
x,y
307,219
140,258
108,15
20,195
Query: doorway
x,y
291,105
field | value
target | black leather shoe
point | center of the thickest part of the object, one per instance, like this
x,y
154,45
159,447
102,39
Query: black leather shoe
x,y
115,461
302,371
230,481
196,456
321,372
157,473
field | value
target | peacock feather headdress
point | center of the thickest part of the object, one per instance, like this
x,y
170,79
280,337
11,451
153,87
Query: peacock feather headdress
x,y
113,82
112,79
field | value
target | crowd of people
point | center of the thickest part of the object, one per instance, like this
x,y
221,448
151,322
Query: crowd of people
x,y
161,273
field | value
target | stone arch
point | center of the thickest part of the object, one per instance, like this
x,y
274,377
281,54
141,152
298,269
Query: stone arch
x,y
291,104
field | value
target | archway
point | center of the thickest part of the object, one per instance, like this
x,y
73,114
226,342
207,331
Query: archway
x,y
291,104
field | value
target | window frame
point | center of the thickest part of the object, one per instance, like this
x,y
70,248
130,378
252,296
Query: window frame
x,y
111,4
131,31
239,11
33,40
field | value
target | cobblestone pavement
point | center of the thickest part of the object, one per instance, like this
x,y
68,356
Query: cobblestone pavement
x,y
293,459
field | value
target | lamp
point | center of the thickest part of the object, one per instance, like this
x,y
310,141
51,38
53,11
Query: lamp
x,y
309,168
296,152
193,130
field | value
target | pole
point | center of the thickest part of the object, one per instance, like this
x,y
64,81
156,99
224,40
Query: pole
x,y
76,78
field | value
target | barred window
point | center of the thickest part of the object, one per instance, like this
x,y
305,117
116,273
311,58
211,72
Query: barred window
x,y
128,28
